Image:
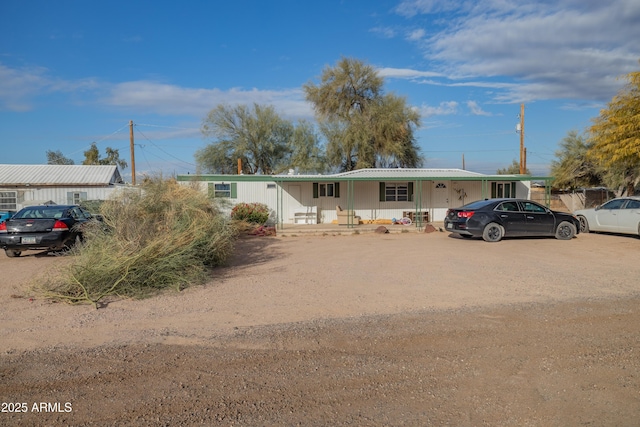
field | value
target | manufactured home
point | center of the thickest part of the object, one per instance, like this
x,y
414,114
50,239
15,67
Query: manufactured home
x,y
364,195
24,185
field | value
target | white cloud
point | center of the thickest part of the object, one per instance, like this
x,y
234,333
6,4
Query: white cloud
x,y
476,110
416,35
444,109
384,32
18,86
168,99
563,49
406,73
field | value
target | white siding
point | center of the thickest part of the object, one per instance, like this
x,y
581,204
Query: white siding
x,y
58,195
435,197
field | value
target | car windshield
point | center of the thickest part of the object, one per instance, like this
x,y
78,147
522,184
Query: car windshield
x,y
50,212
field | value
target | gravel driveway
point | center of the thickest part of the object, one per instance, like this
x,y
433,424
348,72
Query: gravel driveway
x,y
369,329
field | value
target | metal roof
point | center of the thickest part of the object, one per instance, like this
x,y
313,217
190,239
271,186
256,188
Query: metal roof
x,y
59,175
400,173
396,174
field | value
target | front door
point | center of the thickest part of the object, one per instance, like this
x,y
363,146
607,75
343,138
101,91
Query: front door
x,y
440,200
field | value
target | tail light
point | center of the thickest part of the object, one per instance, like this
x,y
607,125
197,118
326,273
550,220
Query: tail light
x,y
60,226
465,214
3,227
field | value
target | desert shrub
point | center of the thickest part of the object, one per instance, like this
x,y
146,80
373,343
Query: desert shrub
x,y
161,235
253,213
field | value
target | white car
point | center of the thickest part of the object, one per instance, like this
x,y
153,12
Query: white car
x,y
620,215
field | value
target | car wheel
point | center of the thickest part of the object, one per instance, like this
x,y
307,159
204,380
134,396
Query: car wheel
x,y
565,231
584,224
492,232
12,253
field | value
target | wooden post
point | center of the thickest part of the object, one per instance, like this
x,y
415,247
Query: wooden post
x,y
522,156
133,157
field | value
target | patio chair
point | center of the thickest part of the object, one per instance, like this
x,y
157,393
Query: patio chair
x,y
346,217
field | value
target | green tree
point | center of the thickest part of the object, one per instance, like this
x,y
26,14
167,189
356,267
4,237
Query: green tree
x,y
573,168
363,126
92,157
258,136
57,158
615,135
512,169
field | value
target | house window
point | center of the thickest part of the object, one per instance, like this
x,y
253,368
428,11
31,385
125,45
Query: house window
x,y
76,197
228,190
396,192
326,190
8,200
222,190
503,189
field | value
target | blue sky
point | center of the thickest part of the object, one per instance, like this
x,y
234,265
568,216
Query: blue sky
x,y
75,72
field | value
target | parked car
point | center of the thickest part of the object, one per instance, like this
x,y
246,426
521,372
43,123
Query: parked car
x,y
5,215
620,215
47,227
493,219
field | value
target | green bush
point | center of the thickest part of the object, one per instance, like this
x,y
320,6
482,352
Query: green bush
x,y
253,213
161,235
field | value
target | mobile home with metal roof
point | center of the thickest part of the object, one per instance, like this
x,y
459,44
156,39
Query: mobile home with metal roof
x,y
24,185
375,195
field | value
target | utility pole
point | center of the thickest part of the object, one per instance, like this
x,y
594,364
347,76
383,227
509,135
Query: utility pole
x,y
133,157
523,161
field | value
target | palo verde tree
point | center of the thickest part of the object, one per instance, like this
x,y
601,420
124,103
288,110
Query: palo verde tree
x,y
260,138
615,135
92,157
512,169
363,126
57,158
573,167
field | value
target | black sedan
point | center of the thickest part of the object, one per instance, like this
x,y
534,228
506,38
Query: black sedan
x,y
47,227
493,219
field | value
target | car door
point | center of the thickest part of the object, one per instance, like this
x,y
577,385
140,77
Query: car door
x,y
539,220
607,215
513,219
629,217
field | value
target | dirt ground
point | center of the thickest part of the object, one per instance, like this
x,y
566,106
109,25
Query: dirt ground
x,y
367,330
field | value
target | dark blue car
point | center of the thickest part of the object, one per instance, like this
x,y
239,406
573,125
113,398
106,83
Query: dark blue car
x,y
46,227
493,219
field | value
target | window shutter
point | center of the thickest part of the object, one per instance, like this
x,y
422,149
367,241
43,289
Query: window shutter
x,y
410,191
70,198
315,190
211,190
83,195
382,191
494,190
234,190
336,190
513,189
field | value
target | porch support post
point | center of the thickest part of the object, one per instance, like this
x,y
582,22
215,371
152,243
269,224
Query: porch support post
x,y
350,204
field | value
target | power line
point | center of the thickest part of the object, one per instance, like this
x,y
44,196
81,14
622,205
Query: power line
x,y
102,139
168,154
